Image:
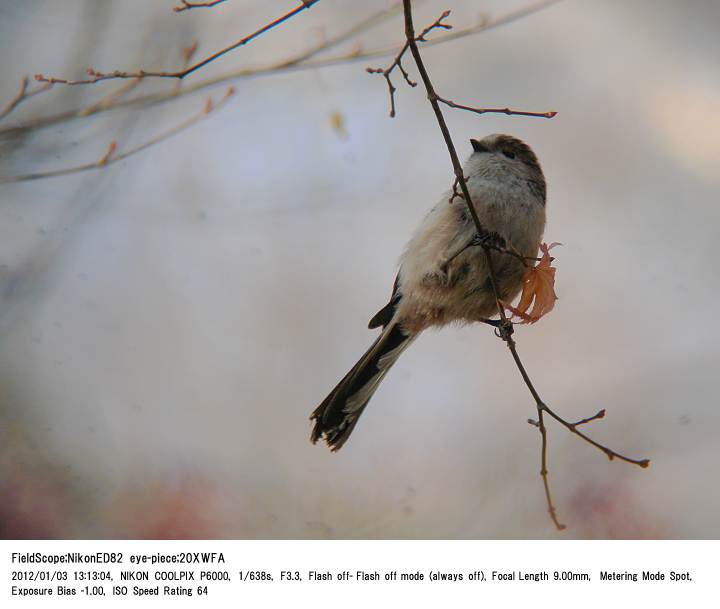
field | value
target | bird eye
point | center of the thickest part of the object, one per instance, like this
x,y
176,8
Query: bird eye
x,y
510,155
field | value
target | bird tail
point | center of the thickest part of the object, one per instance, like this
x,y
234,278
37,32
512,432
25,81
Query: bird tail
x,y
339,412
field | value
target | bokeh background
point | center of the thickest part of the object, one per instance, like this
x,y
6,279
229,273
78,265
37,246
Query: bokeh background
x,y
168,323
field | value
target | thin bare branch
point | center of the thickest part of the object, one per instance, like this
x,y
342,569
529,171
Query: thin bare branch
x,y
609,452
105,159
488,241
186,6
505,326
188,53
598,415
544,474
397,62
506,335
300,62
455,193
22,95
96,76
115,97
112,98
507,111
488,24
110,157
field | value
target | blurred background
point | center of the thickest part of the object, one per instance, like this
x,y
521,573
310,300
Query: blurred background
x,y
168,323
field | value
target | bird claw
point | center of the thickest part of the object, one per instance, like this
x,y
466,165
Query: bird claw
x,y
489,239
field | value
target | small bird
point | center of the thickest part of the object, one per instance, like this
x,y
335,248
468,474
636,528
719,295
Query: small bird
x,y
443,276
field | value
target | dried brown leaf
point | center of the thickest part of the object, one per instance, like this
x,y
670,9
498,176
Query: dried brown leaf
x,y
538,289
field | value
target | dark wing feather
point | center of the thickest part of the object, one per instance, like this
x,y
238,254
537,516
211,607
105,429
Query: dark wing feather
x,y
385,315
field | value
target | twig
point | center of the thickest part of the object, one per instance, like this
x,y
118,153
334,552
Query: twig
x,y
599,415
110,99
455,193
487,240
22,95
96,76
105,159
507,111
188,53
488,24
397,62
109,157
113,100
610,453
186,6
542,407
544,474
505,327
300,62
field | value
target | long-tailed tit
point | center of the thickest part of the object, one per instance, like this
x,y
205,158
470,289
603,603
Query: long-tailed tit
x,y
443,276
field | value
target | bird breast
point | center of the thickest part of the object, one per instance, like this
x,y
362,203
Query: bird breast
x,y
442,280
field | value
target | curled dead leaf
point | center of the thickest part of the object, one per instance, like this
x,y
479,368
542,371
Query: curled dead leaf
x,y
538,289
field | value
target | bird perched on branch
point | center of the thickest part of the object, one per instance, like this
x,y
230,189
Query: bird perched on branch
x,y
444,275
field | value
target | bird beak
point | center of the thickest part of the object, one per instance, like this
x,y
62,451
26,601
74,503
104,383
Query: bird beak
x,y
479,146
